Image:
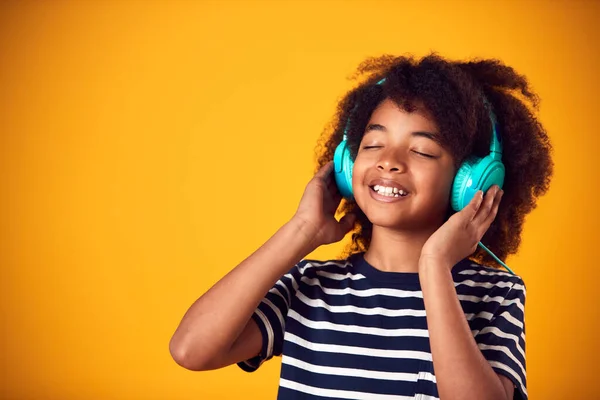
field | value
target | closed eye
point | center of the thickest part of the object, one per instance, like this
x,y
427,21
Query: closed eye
x,y
371,147
424,155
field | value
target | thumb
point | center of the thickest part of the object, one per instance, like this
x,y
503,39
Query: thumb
x,y
347,222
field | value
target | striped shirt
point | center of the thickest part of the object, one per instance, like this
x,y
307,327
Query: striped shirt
x,y
347,330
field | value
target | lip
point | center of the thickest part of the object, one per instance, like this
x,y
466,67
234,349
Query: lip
x,y
388,183
386,199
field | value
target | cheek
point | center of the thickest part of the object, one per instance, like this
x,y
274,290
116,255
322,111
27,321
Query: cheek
x,y
449,174
446,184
357,172
358,187
438,182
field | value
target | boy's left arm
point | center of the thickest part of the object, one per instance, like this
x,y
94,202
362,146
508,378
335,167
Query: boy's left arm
x,y
461,370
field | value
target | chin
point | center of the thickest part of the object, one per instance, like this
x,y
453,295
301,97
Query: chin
x,y
401,214
397,224
402,220
396,221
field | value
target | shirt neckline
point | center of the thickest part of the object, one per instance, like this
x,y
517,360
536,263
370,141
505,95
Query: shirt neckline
x,y
363,267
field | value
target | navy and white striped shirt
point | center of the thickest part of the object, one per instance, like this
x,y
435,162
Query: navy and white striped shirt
x,y
349,331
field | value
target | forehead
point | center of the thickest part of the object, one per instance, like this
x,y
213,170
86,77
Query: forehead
x,y
394,117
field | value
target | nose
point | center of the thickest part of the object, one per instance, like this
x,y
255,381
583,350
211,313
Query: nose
x,y
391,162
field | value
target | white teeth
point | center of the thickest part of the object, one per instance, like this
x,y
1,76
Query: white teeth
x,y
389,191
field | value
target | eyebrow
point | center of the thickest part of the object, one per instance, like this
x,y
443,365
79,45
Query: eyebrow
x,y
429,135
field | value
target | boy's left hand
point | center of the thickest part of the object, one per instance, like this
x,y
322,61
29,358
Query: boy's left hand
x,y
458,237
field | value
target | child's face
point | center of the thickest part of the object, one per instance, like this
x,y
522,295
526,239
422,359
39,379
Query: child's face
x,y
388,157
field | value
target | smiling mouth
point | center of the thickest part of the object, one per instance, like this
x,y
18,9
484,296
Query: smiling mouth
x,y
388,191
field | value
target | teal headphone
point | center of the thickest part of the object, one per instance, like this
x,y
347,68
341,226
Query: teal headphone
x,y
474,174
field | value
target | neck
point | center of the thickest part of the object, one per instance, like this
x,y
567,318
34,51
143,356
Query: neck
x,y
396,251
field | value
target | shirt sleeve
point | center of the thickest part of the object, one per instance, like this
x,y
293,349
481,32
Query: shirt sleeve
x,y
502,341
270,317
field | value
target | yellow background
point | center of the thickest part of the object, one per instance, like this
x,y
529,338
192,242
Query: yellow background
x,y
146,148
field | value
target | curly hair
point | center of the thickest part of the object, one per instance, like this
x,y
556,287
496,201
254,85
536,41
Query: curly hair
x,y
453,93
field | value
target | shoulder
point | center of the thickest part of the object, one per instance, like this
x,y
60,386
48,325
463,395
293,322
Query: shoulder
x,y
471,276
313,268
313,272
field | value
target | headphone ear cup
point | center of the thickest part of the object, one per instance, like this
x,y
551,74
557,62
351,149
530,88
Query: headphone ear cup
x,y
342,169
473,175
463,180
492,173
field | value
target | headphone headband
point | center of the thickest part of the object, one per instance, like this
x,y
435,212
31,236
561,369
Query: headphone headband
x,y
345,137
496,141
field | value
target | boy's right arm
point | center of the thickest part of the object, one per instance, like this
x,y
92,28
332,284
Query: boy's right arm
x,y
217,330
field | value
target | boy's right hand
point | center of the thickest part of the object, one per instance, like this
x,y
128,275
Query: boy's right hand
x,y
316,212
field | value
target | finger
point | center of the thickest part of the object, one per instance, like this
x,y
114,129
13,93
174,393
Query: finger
x,y
336,197
330,180
486,205
335,193
324,171
332,187
471,209
347,222
488,221
483,227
